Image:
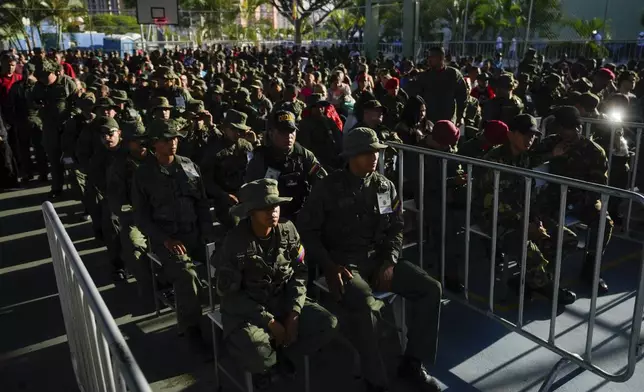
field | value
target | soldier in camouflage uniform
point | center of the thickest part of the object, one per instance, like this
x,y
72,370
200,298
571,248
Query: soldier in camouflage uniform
x,y
112,149
472,116
261,276
572,155
394,102
224,165
200,128
259,101
352,226
168,88
171,209
120,176
160,108
372,117
24,110
73,128
290,102
55,93
294,167
540,247
505,105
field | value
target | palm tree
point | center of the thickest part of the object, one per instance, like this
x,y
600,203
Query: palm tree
x,y
62,12
218,16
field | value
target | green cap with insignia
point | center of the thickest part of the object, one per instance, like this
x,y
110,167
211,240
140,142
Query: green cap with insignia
x,y
361,140
195,107
134,130
257,195
107,125
164,129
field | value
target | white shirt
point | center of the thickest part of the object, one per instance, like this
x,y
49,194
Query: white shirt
x,y
598,39
499,43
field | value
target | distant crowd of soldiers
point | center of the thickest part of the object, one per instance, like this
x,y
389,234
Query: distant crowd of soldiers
x,y
284,144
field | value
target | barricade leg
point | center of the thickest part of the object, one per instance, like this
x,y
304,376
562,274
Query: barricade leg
x,y
552,376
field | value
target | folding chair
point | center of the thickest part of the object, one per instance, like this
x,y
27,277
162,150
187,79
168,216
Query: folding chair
x,y
216,323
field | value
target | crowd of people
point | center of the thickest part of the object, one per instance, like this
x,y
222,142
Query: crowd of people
x,y
284,145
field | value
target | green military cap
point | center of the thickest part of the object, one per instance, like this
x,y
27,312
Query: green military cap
x,y
568,116
134,130
236,119
242,95
525,123
506,81
583,85
256,85
29,68
194,107
257,195
360,140
588,101
218,89
107,125
164,73
47,66
164,129
105,102
160,103
119,96
87,100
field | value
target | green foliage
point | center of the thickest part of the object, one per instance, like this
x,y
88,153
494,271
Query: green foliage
x,y
301,15
114,24
343,24
217,19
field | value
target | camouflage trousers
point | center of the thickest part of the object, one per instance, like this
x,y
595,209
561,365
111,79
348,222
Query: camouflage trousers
x,y
180,271
252,345
541,248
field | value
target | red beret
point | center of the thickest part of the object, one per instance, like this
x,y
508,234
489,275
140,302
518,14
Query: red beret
x,y
445,133
392,84
607,73
495,132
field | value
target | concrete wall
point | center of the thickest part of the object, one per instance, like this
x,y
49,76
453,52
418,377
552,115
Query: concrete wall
x,y
624,15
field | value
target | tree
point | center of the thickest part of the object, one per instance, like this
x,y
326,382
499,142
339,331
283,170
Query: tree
x,y
114,24
343,24
217,17
298,11
13,17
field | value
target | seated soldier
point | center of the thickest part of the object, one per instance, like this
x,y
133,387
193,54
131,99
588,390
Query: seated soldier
x,y
294,167
572,155
494,133
540,249
352,225
261,277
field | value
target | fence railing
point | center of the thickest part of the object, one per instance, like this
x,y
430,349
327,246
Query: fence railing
x,y
583,360
100,356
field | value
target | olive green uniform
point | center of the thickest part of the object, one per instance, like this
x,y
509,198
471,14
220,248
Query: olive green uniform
x,y
357,223
170,203
262,280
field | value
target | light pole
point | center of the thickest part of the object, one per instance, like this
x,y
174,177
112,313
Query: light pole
x,y
527,29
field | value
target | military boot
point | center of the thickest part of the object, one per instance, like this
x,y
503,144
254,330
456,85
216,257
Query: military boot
x,y
413,371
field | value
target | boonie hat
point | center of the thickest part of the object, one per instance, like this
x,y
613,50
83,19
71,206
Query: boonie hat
x,y
525,123
107,125
164,129
236,119
257,195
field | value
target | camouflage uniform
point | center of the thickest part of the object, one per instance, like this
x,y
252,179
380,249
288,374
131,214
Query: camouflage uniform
x,y
357,223
224,167
264,280
97,179
196,138
170,203
134,245
177,96
296,172
56,100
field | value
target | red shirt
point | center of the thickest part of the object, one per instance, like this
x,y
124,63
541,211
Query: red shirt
x,y
69,71
5,85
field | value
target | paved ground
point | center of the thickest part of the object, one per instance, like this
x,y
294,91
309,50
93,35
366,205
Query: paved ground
x,y
475,354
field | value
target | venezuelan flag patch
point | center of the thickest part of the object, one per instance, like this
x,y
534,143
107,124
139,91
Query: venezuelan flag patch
x,y
314,169
300,254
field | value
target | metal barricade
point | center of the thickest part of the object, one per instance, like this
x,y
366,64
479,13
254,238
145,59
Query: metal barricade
x,y
584,360
100,356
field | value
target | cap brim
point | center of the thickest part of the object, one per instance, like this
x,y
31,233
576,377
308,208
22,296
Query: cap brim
x,y
532,130
371,148
164,107
238,126
319,103
243,209
287,128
